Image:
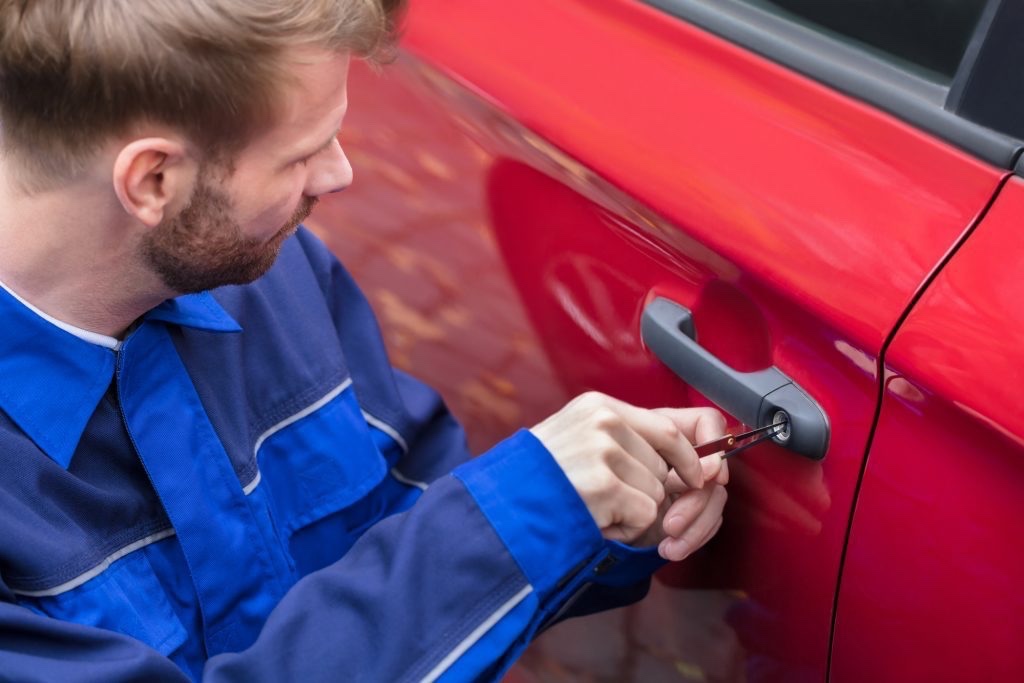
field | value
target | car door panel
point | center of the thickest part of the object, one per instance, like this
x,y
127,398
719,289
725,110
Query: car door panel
x,y
739,152
930,586
530,176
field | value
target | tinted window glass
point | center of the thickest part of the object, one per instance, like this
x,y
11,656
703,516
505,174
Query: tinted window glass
x,y
928,37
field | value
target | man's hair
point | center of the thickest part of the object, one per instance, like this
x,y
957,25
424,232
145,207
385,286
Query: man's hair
x,y
75,72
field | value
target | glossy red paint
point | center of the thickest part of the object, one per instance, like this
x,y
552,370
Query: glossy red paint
x,y
510,265
931,588
741,154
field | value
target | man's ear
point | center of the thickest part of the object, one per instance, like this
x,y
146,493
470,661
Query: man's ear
x,y
153,177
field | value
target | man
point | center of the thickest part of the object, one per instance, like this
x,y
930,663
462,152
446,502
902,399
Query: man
x,y
235,485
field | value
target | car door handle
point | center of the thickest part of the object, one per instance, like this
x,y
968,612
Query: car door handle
x,y
754,398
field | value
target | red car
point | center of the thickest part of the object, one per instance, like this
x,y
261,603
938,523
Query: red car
x,y
794,206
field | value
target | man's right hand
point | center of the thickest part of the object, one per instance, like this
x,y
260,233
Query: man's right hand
x,y
636,468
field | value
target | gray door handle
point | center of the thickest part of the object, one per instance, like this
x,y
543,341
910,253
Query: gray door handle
x,y
754,398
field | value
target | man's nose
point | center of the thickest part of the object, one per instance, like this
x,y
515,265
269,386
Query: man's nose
x,y
330,172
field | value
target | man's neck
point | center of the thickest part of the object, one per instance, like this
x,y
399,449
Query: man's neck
x,y
73,255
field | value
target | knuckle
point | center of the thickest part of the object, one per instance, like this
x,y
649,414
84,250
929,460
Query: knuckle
x,y
577,404
668,429
590,399
608,449
661,470
712,414
605,419
607,484
659,495
649,514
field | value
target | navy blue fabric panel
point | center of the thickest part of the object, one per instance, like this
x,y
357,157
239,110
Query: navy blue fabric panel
x,y
56,524
409,592
287,356
407,406
439,443
356,326
598,598
484,660
37,649
628,565
617,576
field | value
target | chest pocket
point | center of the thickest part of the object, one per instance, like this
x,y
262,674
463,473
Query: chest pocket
x,y
319,462
126,598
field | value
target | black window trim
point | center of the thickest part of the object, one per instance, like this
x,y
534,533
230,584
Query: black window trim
x,y
988,88
874,80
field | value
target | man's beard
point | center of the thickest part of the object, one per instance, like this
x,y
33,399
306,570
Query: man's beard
x,y
202,247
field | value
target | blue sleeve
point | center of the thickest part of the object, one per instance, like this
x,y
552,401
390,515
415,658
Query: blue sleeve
x,y
443,591
451,589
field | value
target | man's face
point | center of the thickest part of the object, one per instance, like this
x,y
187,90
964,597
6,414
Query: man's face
x,y
232,228
204,246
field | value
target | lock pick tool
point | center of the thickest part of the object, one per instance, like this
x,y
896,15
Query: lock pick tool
x,y
735,443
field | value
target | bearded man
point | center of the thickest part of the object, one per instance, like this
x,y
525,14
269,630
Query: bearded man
x,y
208,469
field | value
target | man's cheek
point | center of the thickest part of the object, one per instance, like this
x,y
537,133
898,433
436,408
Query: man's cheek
x,y
270,220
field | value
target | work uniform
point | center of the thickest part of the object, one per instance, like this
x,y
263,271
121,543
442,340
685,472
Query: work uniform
x,y
244,489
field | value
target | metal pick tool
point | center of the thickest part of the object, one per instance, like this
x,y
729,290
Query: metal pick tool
x,y
733,444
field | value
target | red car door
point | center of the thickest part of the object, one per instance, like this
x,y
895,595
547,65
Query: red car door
x,y
931,585
531,176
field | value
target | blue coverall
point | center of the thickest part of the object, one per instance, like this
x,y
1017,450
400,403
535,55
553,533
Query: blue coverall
x,y
246,490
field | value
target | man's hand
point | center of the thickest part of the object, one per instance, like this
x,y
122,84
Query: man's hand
x,y
637,472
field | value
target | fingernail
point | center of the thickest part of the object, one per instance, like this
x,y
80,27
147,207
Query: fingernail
x,y
663,549
675,549
674,526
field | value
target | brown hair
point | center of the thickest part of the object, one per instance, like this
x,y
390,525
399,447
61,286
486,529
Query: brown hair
x,y
74,72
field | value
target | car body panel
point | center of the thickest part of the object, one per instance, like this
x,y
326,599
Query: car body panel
x,y
723,143
930,588
517,203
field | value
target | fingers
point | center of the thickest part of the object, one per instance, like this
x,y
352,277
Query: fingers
x,y
710,424
723,474
712,465
641,450
624,460
635,514
700,425
639,466
696,424
692,521
713,468
616,472
664,435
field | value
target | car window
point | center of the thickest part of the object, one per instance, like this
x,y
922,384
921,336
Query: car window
x,y
927,37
